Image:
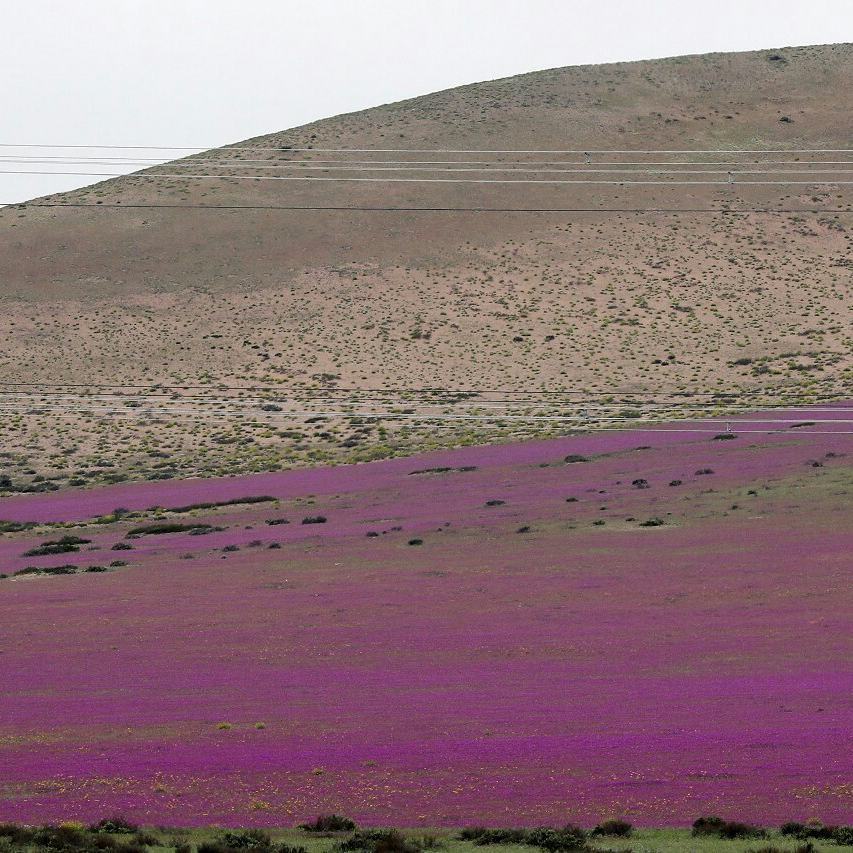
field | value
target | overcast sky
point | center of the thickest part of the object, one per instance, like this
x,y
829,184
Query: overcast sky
x,y
207,72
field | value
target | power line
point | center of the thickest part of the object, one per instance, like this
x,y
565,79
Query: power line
x,y
11,400
346,167
324,179
150,412
285,148
401,209
673,391
105,160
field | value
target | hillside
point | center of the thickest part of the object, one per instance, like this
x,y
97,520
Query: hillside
x,y
371,299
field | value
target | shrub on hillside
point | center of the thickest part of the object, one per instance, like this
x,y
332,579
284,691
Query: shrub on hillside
x,y
166,527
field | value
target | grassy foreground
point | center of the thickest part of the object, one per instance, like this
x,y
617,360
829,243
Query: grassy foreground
x,y
118,836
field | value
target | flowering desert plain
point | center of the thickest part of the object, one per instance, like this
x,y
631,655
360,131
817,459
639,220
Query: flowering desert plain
x,y
475,465
646,624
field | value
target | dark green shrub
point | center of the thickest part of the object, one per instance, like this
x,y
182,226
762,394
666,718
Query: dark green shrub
x,y
314,519
501,836
714,825
115,826
245,839
51,548
166,527
329,823
617,827
471,833
570,837
378,841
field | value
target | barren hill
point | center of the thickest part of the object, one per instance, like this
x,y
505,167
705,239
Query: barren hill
x,y
218,284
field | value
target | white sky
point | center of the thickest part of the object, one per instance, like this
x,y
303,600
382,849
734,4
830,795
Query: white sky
x,y
208,72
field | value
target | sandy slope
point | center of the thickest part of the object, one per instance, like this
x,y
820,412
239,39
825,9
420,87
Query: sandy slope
x,y
374,299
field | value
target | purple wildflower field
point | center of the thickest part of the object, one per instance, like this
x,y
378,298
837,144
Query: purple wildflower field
x,y
534,659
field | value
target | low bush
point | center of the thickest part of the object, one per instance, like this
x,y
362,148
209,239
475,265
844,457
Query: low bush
x,y
115,826
246,839
619,828
252,499
569,838
378,841
68,569
314,519
814,829
714,825
166,527
16,526
50,548
329,823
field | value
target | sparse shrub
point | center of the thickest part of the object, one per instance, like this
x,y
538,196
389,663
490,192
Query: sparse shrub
x,y
114,826
500,836
416,542
652,522
570,837
575,457
714,825
495,502
52,548
815,829
471,833
166,527
122,546
329,823
314,519
617,827
246,839
378,841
